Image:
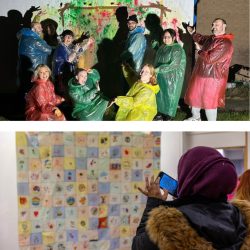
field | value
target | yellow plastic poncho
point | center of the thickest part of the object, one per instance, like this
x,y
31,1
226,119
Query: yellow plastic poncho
x,y
140,102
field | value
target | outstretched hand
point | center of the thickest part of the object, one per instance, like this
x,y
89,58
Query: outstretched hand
x,y
197,46
153,189
190,30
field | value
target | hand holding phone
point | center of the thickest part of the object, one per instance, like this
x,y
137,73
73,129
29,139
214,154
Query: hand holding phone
x,y
168,183
153,189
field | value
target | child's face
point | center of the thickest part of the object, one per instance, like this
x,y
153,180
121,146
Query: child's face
x,y
43,74
82,77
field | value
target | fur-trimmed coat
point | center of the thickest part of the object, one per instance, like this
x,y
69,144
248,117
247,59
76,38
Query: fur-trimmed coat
x,y
175,228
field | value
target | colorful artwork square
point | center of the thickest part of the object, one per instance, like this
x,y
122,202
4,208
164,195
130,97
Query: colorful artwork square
x,y
69,138
81,163
81,140
34,152
57,151
56,139
115,152
92,152
127,140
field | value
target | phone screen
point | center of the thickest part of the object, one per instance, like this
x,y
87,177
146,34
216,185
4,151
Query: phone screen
x,y
170,184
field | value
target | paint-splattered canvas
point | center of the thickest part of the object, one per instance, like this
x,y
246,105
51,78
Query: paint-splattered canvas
x,y
78,190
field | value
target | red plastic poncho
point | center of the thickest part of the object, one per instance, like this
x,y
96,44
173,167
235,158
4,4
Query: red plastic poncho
x,y
41,102
208,82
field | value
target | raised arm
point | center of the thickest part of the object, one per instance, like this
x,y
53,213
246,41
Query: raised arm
x,y
130,75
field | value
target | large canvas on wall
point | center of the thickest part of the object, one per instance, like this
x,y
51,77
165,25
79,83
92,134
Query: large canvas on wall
x,y
78,190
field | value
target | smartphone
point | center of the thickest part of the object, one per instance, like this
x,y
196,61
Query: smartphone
x,y
169,183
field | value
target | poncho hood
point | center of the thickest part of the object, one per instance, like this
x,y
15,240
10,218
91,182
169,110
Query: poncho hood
x,y
139,29
229,36
155,88
26,32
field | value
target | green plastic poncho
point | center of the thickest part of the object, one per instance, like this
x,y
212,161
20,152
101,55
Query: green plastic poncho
x,y
89,103
170,64
140,102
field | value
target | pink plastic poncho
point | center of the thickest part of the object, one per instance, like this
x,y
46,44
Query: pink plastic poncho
x,y
41,102
208,82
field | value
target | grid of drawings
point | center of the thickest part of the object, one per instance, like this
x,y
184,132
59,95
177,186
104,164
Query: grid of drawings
x,y
78,190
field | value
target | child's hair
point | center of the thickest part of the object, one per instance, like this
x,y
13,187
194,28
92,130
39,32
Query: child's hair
x,y
152,80
243,189
35,75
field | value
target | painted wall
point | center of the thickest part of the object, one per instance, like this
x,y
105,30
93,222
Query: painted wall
x,y
99,19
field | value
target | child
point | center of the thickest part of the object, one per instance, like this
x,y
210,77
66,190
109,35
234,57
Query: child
x,y
89,103
41,100
140,102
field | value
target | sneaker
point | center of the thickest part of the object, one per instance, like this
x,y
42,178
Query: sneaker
x,y
192,119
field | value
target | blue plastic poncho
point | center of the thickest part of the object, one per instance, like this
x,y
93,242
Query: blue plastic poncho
x,y
33,47
89,103
135,48
61,56
170,65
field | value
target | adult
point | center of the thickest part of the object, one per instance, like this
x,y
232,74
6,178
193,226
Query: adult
x,y
32,51
64,60
140,102
134,48
41,100
208,82
89,102
201,217
170,64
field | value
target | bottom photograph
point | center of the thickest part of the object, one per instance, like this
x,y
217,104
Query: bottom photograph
x,y
124,190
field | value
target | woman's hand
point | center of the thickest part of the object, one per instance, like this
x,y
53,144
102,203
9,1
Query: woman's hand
x,y
153,189
62,99
77,47
89,71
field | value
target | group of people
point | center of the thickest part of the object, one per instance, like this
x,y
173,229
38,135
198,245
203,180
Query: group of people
x,y
201,217
149,92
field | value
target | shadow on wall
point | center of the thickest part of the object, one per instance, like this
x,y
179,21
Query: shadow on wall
x,y
9,27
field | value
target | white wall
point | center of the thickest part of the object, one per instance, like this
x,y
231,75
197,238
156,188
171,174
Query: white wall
x,y
8,192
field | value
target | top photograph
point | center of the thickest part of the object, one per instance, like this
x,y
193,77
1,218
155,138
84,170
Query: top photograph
x,y
128,60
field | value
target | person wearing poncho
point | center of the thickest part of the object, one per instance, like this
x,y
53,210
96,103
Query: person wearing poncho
x,y
41,100
170,64
140,102
201,217
89,103
207,86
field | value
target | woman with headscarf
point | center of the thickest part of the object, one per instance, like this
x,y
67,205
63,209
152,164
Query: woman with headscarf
x,y
201,217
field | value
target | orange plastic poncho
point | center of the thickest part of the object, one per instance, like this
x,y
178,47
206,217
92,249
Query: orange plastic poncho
x,y
208,82
41,102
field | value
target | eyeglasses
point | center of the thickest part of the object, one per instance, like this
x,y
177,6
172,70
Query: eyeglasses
x,y
167,37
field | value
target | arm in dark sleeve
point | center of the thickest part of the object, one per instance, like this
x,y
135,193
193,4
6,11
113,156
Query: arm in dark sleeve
x,y
141,241
200,39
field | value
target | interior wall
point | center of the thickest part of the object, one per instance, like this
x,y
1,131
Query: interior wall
x,y
216,140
